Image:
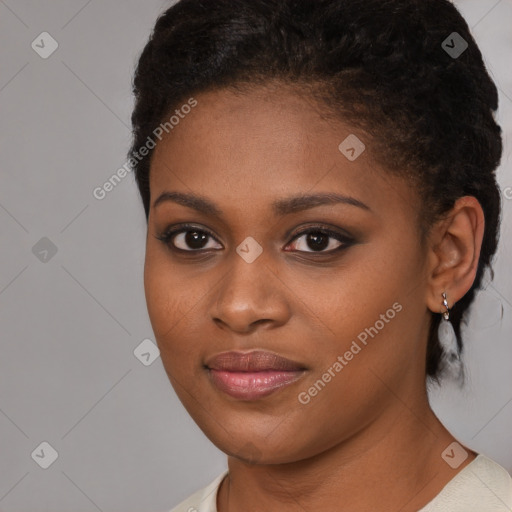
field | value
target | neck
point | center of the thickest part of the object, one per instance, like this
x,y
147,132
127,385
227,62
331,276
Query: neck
x,y
394,463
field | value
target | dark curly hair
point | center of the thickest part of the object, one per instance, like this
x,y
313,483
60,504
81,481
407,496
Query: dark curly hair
x,y
379,65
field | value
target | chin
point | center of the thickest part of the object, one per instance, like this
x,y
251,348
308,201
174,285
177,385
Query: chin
x,y
252,447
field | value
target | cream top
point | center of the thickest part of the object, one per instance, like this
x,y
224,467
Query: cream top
x,y
482,486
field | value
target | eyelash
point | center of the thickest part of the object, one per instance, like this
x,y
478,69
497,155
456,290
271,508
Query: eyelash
x,y
324,230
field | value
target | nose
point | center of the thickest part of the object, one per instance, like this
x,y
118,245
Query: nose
x,y
249,295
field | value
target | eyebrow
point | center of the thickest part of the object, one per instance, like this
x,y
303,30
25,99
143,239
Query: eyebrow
x,y
280,207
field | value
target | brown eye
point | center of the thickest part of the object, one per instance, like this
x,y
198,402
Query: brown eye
x,y
318,240
187,239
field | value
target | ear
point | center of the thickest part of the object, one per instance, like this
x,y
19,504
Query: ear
x,y
453,253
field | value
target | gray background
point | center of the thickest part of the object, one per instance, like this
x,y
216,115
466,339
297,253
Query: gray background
x,y
70,324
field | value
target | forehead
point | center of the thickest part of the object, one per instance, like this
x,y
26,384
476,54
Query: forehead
x,y
266,144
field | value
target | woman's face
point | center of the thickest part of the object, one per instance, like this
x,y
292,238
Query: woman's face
x,y
346,307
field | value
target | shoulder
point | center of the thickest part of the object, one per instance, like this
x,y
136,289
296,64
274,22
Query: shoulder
x,y
203,500
482,486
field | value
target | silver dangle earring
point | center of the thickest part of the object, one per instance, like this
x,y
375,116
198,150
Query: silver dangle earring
x,y
448,341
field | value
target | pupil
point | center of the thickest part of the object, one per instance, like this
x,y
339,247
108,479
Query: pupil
x,y
195,239
319,241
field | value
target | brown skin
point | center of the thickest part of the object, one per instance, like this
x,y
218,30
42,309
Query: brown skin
x,y
369,440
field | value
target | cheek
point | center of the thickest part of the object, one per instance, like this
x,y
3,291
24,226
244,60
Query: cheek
x,y
374,301
160,300
166,298
174,306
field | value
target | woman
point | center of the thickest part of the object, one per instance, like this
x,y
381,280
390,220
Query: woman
x,y
318,178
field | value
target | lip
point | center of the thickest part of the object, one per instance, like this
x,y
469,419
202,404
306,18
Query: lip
x,y
252,375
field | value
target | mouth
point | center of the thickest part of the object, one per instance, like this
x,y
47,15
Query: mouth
x,y
252,375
